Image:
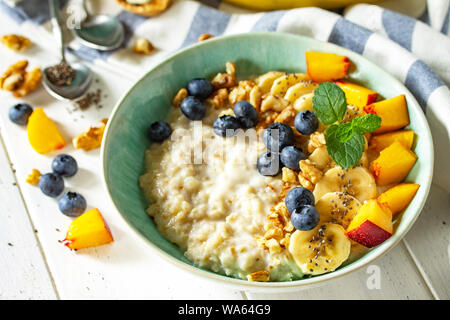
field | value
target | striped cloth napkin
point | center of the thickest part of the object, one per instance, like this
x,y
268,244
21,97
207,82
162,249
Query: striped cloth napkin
x,y
409,39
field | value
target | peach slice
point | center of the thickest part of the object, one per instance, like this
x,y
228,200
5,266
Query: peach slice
x,y
357,95
393,113
88,230
43,134
393,164
322,66
382,141
399,197
372,224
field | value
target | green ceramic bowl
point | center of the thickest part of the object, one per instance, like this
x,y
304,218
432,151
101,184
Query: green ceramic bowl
x,y
150,99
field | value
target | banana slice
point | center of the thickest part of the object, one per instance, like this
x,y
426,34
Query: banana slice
x,y
320,250
304,103
299,90
357,181
282,84
337,207
321,159
265,81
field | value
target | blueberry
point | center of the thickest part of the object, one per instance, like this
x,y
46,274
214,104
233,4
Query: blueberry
x,y
72,204
246,114
277,136
291,156
200,88
298,197
64,165
159,131
193,108
19,113
305,218
226,126
306,122
268,164
51,184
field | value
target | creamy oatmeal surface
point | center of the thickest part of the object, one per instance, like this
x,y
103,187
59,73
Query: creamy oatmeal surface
x,y
214,211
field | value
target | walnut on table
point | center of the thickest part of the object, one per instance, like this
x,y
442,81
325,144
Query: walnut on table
x,y
19,81
91,138
143,46
15,42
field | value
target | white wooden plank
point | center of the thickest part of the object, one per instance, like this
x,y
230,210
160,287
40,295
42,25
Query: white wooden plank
x,y
24,272
429,242
399,279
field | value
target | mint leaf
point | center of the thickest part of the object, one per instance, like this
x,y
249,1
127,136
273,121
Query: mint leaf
x,y
367,123
329,103
344,131
345,154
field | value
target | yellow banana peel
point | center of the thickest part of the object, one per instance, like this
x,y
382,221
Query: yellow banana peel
x,y
288,4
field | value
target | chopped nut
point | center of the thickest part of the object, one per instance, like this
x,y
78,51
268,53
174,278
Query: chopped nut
x,y
316,140
225,80
143,46
304,182
34,177
261,276
91,138
274,103
226,112
181,94
20,82
241,92
16,42
309,174
289,175
219,98
273,246
287,116
205,36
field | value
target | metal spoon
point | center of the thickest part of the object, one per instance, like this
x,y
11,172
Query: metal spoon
x,y
101,32
83,75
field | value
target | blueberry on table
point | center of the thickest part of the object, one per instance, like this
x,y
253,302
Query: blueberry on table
x,y
290,157
226,126
268,164
159,131
305,218
51,184
306,122
19,113
72,204
298,197
64,165
193,108
246,114
277,136
200,88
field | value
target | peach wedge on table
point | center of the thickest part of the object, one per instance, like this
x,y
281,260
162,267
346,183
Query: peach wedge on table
x,y
398,198
43,134
371,225
393,113
393,164
382,141
323,66
88,230
357,95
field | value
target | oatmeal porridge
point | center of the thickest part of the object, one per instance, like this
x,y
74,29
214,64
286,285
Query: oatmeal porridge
x,y
280,176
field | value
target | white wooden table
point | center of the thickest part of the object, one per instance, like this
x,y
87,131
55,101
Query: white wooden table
x,y
35,265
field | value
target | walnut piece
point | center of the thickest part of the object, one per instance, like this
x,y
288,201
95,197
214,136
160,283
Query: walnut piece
x,y
316,140
289,175
143,46
20,82
287,116
219,98
261,276
15,42
181,94
91,138
225,80
241,92
309,174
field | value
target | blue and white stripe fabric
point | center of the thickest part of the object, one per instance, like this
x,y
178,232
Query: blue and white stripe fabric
x,y
415,51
